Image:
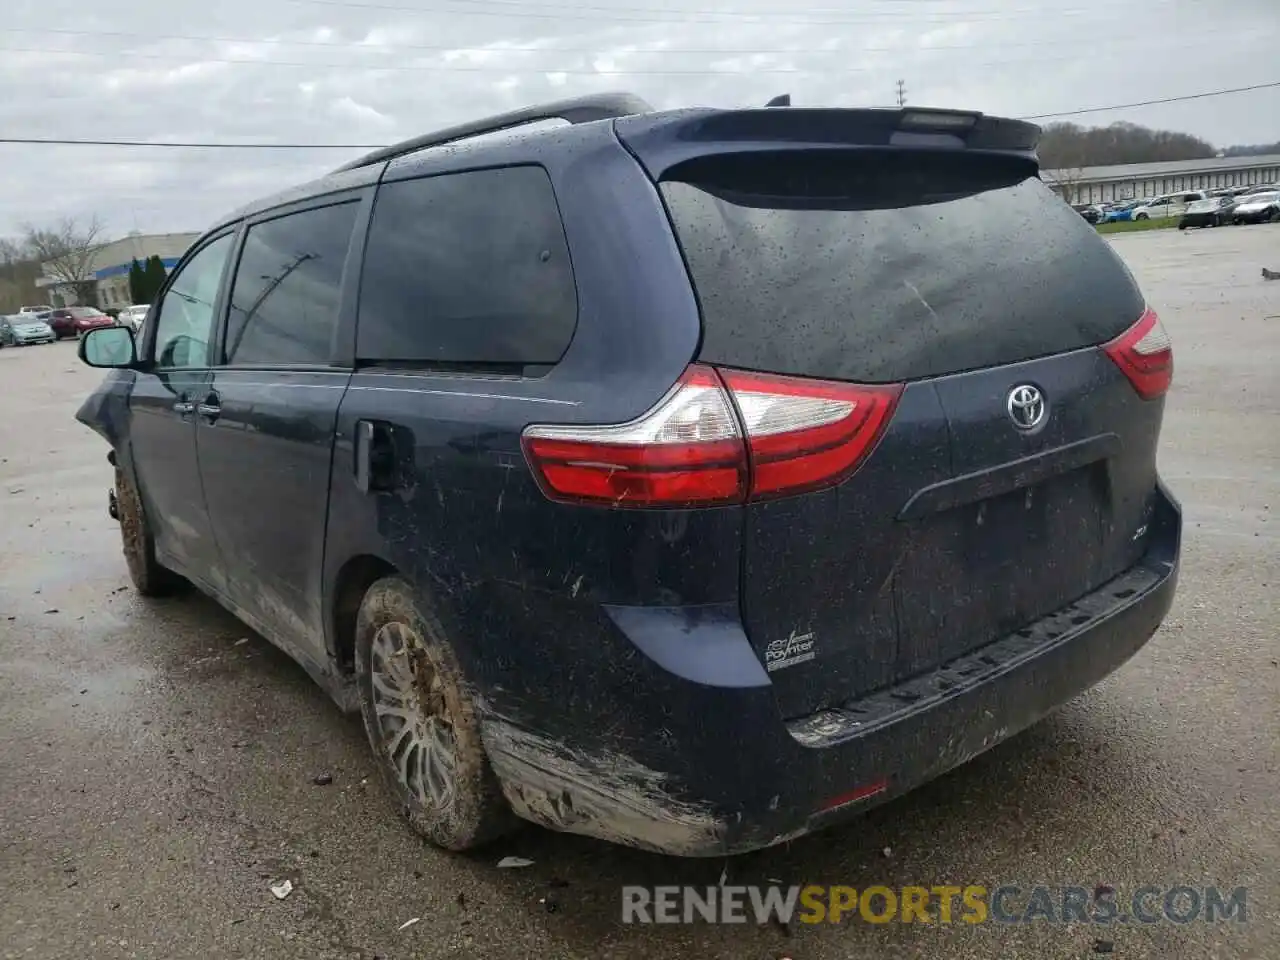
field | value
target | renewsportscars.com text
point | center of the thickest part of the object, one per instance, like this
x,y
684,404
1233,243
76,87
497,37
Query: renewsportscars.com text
x,y
971,904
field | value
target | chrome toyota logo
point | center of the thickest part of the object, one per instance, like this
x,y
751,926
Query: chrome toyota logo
x,y
1025,406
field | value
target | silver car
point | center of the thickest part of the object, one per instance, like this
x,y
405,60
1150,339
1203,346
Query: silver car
x,y
24,329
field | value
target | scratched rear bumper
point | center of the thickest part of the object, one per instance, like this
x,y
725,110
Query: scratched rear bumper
x,y
692,766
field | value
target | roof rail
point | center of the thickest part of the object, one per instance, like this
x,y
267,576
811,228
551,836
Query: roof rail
x,y
596,106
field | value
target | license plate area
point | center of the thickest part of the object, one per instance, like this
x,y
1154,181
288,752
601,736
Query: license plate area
x,y
987,568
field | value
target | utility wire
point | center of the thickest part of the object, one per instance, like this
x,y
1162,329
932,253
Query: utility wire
x,y
203,145
1151,103
363,46
585,71
507,70
519,9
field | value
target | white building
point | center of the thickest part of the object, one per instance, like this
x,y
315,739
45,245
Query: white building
x,y
111,262
1128,181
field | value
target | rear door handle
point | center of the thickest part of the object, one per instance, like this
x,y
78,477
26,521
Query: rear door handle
x,y
183,407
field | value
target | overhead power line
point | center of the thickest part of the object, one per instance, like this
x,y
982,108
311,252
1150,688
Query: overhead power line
x,y
1152,103
579,70
567,11
635,49
208,145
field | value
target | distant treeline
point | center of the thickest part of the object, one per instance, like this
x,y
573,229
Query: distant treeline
x,y
1253,149
1065,146
1068,145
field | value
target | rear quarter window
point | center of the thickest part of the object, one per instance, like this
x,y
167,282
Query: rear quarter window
x,y
467,269
891,267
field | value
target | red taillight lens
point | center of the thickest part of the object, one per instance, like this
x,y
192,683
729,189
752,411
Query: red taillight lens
x,y
686,451
806,434
692,448
1144,354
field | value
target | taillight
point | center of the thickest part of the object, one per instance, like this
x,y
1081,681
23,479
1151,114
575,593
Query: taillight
x,y
788,435
805,434
686,451
1144,354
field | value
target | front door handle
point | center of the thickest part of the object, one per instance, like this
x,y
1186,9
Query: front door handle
x,y
183,407
209,408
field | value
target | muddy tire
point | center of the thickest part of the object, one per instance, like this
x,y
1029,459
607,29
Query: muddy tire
x,y
422,722
149,578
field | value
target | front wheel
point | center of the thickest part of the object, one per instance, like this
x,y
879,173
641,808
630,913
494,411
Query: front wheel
x,y
422,723
1142,216
149,578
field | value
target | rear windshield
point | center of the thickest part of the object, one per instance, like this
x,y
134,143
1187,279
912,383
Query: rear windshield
x,y
889,267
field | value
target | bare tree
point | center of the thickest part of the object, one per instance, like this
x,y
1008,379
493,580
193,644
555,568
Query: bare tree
x,y
1066,182
66,252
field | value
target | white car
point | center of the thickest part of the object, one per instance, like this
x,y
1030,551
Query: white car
x,y
1162,208
133,316
34,309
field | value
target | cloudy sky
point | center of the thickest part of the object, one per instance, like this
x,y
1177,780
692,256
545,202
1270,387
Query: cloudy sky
x,y
374,71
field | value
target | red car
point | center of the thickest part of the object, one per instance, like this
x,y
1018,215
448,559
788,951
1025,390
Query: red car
x,y
73,321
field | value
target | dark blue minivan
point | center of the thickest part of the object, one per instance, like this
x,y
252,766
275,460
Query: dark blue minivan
x,y
689,479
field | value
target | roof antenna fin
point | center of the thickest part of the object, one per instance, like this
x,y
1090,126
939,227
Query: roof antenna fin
x,y
784,100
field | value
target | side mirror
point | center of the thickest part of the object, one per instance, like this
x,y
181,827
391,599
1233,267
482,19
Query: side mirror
x,y
110,347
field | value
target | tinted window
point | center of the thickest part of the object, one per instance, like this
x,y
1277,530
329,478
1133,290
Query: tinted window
x,y
284,304
185,319
891,267
468,268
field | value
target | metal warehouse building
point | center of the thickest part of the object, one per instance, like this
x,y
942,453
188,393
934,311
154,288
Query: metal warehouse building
x,y
1128,181
110,266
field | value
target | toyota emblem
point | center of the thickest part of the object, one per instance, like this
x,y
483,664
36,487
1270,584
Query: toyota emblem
x,y
1026,406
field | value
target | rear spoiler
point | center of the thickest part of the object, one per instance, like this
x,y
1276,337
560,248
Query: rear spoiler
x,y
664,140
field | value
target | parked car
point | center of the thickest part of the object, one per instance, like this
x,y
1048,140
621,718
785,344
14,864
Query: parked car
x,y
1259,188
1091,212
1257,208
1211,212
1162,208
133,316
34,309
74,321
23,329
1121,211
660,505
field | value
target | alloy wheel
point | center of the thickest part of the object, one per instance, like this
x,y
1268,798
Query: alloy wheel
x,y
413,715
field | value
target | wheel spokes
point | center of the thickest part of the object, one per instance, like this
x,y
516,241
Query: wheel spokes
x,y
412,714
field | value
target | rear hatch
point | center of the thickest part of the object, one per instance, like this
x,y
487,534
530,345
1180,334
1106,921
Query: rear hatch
x,y
1017,468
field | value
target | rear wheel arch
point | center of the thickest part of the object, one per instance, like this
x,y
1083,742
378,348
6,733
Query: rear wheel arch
x,y
470,809
350,585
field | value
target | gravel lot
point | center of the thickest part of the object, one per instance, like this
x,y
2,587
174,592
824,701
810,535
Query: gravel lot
x,y
156,775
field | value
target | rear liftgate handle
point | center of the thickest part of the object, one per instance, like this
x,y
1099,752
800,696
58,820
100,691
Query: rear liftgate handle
x,y
375,456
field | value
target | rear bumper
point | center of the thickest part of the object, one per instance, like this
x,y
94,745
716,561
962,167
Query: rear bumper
x,y
696,769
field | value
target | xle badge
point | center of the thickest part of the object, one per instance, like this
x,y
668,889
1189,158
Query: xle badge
x,y
797,648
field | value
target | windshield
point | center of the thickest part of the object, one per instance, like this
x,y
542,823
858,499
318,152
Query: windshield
x,y
85,312
1261,197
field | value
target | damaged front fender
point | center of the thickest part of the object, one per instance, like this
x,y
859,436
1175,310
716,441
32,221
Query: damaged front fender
x,y
105,410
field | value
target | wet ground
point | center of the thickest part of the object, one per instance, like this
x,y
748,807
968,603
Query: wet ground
x,y
157,759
